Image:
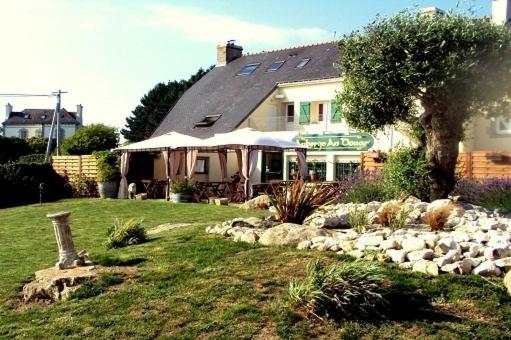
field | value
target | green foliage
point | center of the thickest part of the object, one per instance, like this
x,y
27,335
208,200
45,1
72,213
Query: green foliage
x,y
107,163
32,158
12,148
358,220
20,184
155,105
364,188
90,138
37,145
125,233
296,201
83,186
406,172
340,291
179,186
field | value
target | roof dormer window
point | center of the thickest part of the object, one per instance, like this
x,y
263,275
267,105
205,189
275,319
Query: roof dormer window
x,y
208,120
248,69
26,116
302,63
275,66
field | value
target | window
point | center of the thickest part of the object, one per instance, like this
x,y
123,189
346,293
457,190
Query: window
x,y
343,170
290,113
321,112
313,167
275,66
23,133
302,63
248,69
26,116
209,120
44,116
503,125
202,165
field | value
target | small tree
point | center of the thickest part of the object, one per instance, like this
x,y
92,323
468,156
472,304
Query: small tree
x,y
94,137
453,65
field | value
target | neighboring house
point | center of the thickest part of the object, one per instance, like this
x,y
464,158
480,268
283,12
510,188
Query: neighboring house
x,y
37,122
291,92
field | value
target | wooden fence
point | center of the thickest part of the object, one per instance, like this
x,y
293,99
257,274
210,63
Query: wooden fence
x,y
75,165
476,164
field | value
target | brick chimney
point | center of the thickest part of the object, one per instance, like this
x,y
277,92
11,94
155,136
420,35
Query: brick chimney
x,y
227,53
501,12
8,111
79,113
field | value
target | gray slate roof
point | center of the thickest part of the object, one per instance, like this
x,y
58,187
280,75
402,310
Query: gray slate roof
x,y
40,116
235,97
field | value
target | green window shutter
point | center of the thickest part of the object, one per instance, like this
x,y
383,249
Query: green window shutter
x,y
335,109
305,112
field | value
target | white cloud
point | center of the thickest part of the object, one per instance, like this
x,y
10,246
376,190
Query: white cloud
x,y
213,28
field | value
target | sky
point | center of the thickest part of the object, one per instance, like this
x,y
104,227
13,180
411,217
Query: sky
x,y
108,53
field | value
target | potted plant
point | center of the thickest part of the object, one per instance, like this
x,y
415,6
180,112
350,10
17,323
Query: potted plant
x,y
182,191
107,163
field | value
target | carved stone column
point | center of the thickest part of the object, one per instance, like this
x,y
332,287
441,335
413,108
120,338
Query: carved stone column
x,y
67,254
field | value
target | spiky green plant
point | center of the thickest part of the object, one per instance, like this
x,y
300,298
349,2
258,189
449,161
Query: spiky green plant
x,y
358,220
340,291
296,201
125,233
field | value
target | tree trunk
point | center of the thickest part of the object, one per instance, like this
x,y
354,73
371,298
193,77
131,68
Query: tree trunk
x,y
442,121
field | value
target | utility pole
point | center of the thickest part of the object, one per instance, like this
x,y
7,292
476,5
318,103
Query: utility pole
x,y
56,119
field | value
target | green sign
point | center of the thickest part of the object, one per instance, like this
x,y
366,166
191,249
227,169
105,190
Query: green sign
x,y
336,142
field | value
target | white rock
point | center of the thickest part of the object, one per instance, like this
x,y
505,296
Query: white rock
x,y
444,245
249,237
304,245
389,244
373,206
475,261
481,237
397,256
370,240
463,267
416,255
460,236
507,282
426,267
497,252
356,253
430,238
487,268
422,206
438,204
443,260
406,265
503,263
413,243
319,239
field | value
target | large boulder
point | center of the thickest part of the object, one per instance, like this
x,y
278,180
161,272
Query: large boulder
x,y
426,267
259,202
321,219
289,233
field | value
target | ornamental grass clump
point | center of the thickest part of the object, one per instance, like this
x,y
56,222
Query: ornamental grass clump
x,y
358,220
437,218
340,291
296,201
125,233
393,216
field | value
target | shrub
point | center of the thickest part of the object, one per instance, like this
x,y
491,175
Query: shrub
x,y
125,233
83,186
32,158
364,188
492,193
340,291
393,216
406,172
179,186
39,144
358,220
107,163
20,184
437,218
296,201
94,137
12,148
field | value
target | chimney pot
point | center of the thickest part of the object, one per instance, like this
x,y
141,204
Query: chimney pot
x,y
227,53
79,113
8,110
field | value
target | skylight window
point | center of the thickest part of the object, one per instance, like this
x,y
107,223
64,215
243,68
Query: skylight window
x,y
248,69
302,63
275,66
208,120
26,116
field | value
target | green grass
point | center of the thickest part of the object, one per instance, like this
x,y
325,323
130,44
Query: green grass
x,y
190,284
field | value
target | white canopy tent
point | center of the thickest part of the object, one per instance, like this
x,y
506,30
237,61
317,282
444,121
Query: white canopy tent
x,y
247,142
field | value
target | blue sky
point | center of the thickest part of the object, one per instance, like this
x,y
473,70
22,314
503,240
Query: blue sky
x,y
108,54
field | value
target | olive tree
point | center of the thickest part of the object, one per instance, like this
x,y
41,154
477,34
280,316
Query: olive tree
x,y
433,72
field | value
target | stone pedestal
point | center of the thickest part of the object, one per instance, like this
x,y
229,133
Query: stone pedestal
x,y
67,254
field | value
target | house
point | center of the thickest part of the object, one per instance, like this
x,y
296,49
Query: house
x,y
291,92
37,122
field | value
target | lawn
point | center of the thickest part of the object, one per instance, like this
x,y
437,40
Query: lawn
x,y
189,284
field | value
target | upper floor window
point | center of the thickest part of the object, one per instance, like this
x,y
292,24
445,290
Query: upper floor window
x,y
248,69
275,66
321,112
290,113
503,125
302,63
23,133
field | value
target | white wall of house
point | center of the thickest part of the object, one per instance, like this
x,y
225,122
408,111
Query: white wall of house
x,y
37,129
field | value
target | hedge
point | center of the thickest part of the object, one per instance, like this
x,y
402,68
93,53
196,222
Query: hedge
x,y
19,183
